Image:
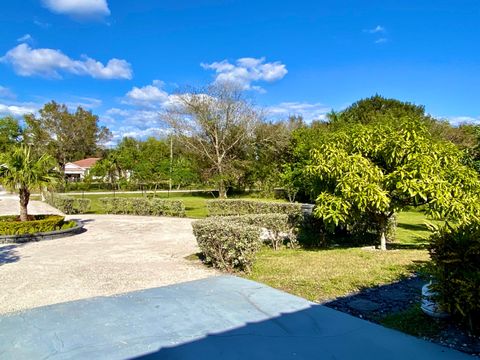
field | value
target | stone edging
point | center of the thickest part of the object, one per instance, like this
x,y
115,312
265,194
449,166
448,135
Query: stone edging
x,y
8,239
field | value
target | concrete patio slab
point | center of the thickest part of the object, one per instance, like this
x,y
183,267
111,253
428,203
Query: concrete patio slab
x,y
216,318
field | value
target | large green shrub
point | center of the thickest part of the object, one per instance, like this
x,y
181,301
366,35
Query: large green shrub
x,y
226,244
10,225
455,254
143,206
277,227
69,205
246,207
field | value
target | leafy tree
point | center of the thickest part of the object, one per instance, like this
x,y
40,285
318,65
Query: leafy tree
x,y
22,171
217,124
10,133
383,167
368,110
67,136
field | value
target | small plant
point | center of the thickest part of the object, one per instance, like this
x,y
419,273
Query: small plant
x,y
455,253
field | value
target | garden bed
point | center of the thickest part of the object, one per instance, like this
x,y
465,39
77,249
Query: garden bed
x,y
37,228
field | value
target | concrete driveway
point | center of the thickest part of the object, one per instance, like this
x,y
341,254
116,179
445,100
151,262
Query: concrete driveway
x,y
117,254
216,318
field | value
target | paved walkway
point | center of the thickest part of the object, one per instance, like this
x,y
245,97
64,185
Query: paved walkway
x,y
216,318
117,254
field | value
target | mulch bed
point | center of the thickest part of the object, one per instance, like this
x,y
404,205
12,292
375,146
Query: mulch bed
x,y
375,303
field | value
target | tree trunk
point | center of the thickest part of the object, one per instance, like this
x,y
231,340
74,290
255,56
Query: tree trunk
x,y
383,222
383,240
222,190
24,196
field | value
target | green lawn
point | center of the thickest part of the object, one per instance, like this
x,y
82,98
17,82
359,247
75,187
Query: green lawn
x,y
320,275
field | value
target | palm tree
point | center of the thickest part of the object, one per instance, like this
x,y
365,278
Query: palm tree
x,y
21,171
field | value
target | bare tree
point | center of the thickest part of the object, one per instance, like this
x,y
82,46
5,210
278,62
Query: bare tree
x,y
216,123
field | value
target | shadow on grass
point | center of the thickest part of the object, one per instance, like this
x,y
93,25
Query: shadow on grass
x,y
413,227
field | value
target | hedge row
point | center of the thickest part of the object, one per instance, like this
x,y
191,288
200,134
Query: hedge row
x,y
275,228
69,205
231,242
143,206
245,207
42,223
455,254
227,245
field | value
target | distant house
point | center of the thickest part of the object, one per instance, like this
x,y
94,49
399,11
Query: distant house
x,y
77,170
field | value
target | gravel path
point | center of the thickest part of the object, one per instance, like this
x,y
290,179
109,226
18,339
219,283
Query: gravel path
x,y
117,254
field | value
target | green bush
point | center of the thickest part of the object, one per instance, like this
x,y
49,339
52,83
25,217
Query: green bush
x,y
226,244
246,207
143,206
455,254
10,225
69,205
278,227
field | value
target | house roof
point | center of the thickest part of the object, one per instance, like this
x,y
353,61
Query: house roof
x,y
86,163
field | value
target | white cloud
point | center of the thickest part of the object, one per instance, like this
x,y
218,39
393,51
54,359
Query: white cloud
x,y
246,71
16,110
25,38
50,63
151,96
78,8
381,41
377,29
309,111
458,120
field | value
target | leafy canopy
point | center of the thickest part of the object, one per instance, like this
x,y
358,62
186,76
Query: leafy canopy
x,y
383,167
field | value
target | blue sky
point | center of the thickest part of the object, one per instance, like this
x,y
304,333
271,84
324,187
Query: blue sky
x,y
125,59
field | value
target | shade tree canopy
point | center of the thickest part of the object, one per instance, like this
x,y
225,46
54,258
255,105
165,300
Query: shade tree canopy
x,y
383,167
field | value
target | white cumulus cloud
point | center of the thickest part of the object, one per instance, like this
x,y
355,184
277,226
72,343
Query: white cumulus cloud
x,y
458,120
16,110
148,96
246,71
27,61
309,111
78,8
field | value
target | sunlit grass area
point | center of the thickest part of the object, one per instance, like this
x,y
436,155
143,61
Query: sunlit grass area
x,y
320,275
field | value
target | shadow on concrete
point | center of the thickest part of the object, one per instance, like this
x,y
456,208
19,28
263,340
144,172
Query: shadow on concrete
x,y
312,333
8,254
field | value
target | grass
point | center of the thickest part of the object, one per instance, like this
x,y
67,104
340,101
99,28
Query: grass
x,y
412,229
321,275
414,322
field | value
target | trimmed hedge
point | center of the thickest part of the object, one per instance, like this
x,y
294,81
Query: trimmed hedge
x,y
455,254
277,227
143,206
245,207
231,242
69,205
226,244
10,225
